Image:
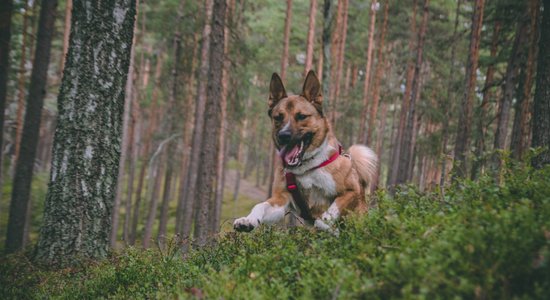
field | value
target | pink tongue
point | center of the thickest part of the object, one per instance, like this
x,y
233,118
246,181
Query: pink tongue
x,y
292,154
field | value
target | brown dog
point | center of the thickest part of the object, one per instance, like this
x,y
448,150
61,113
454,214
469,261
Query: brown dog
x,y
329,184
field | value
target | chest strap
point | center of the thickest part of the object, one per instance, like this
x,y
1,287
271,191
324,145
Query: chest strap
x,y
292,187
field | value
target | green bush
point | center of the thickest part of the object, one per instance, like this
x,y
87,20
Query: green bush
x,y
480,240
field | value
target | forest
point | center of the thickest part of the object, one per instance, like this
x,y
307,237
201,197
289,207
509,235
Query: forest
x,y
136,132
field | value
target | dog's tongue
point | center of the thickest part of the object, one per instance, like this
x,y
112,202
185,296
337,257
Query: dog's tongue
x,y
291,156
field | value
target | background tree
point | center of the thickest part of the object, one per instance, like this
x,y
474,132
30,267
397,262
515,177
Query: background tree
x,y
35,101
541,110
87,140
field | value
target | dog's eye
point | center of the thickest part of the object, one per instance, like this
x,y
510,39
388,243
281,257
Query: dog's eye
x,y
278,118
301,117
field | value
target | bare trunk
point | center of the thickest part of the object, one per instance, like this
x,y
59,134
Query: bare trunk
x,y
380,67
479,162
190,198
310,36
155,178
211,138
462,141
340,59
396,151
406,163
362,135
25,163
520,131
541,110
328,27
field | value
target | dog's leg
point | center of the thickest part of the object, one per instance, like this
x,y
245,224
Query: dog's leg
x,y
269,212
333,212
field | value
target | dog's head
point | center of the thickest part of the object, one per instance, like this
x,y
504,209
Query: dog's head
x,y
299,126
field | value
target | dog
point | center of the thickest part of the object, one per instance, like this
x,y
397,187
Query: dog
x,y
313,178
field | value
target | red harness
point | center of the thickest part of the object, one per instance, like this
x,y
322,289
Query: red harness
x,y
292,187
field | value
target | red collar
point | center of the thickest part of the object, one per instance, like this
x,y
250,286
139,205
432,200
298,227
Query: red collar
x,y
292,187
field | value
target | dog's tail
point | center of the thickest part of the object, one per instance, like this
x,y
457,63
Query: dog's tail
x,y
365,162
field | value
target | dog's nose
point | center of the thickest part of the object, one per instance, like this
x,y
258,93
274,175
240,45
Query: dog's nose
x,y
284,137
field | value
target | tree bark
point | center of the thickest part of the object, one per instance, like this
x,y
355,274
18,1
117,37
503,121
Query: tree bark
x,y
35,101
146,150
211,138
409,134
190,199
512,71
396,151
541,111
21,89
310,36
520,129
462,141
328,28
340,55
380,66
479,162
77,213
155,178
6,8
363,121
286,40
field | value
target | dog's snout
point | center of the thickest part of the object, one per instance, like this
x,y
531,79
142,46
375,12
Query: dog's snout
x,y
284,137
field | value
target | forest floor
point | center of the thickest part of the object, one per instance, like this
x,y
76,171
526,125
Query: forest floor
x,y
486,239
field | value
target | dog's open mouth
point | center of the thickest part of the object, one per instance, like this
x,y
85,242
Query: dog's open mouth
x,y
292,154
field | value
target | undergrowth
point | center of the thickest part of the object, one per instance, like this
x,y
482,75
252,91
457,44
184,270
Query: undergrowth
x,y
480,240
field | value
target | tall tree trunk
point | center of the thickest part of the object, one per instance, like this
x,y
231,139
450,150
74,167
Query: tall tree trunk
x,y
146,150
396,151
286,39
77,213
363,121
35,101
310,36
380,66
481,125
462,141
220,168
155,179
21,89
340,54
409,134
173,106
133,155
188,131
211,138
520,129
328,28
189,196
5,37
541,111
512,71
451,95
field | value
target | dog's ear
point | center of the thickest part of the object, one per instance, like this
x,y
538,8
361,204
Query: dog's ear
x,y
312,91
276,91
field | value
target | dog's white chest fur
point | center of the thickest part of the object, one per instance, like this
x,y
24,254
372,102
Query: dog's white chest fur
x,y
320,186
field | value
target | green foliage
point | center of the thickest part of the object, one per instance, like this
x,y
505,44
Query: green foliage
x,y
480,240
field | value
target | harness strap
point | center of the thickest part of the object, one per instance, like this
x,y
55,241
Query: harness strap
x,y
292,187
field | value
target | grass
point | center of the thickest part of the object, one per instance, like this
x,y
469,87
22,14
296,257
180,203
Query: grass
x,y
481,240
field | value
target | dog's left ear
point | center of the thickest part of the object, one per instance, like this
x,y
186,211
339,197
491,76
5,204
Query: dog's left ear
x,y
312,91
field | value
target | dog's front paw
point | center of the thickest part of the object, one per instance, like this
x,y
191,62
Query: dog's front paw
x,y
321,225
245,224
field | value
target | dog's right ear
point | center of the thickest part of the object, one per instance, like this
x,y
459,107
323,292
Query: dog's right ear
x,y
276,91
